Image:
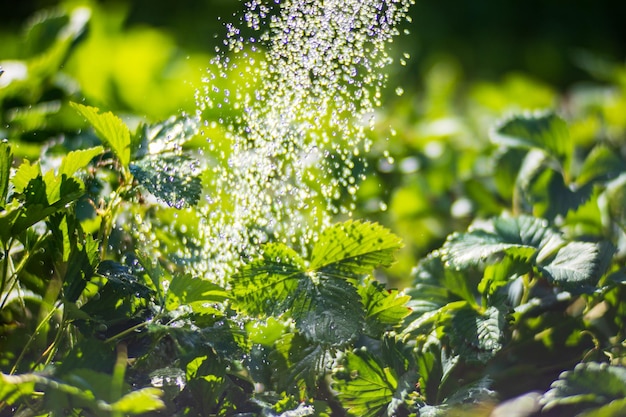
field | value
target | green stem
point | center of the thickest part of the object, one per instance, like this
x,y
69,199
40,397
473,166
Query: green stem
x,y
16,271
32,339
119,371
127,331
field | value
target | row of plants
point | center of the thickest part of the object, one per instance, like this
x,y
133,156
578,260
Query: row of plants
x,y
515,306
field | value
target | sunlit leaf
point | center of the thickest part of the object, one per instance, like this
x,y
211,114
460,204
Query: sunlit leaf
x,y
170,178
110,129
588,385
363,385
197,293
263,285
321,298
353,248
543,130
13,387
601,163
578,264
24,174
139,401
76,160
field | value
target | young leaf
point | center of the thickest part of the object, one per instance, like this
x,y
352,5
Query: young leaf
x,y
170,178
384,309
363,385
193,292
110,129
140,401
24,174
76,160
353,248
544,130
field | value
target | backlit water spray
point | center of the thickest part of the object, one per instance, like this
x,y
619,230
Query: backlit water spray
x,y
291,95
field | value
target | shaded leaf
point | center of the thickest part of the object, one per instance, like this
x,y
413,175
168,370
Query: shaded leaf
x,y
363,385
477,336
124,278
262,286
328,312
170,178
109,128
384,309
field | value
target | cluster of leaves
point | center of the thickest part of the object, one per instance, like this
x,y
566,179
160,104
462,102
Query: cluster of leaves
x,y
521,313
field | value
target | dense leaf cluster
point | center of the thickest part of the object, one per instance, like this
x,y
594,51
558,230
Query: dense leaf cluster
x,y
517,309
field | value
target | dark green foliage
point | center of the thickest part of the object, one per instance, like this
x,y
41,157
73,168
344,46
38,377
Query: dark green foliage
x,y
516,239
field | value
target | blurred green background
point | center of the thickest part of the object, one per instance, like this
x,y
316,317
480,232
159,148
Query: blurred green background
x,y
487,37
461,67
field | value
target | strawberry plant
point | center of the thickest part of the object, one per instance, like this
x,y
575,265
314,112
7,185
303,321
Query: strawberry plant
x,y
513,229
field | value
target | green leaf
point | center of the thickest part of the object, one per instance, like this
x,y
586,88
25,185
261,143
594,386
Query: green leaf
x,y
13,387
170,178
300,359
601,163
577,265
262,286
166,136
587,385
384,309
543,130
363,385
196,293
616,196
322,298
76,160
517,237
140,401
36,206
353,248
24,174
616,408
110,129
123,278
6,159
328,312
477,336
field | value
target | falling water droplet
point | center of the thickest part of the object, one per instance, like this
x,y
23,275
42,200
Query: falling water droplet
x,y
295,116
